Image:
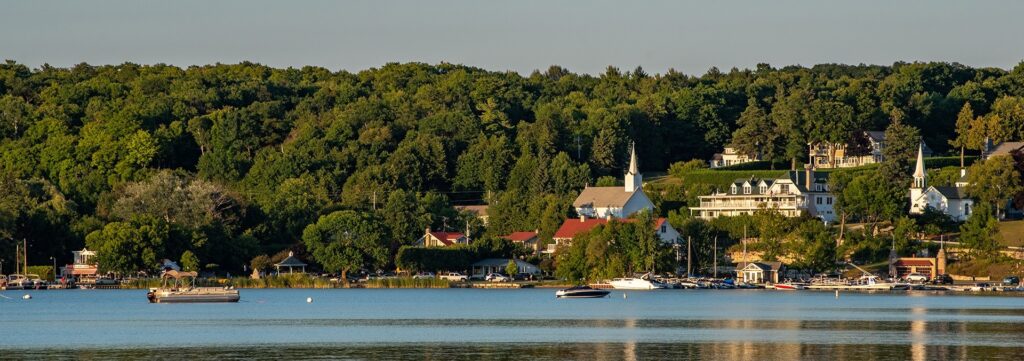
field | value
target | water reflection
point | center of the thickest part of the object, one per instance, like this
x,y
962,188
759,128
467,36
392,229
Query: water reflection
x,y
598,351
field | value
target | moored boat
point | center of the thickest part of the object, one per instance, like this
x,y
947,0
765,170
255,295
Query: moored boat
x,y
581,292
632,283
179,291
789,286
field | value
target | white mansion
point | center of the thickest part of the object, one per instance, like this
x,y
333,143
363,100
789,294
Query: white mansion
x,y
793,195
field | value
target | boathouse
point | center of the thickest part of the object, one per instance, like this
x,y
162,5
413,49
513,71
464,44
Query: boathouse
x,y
758,272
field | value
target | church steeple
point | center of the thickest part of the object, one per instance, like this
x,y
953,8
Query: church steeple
x,y
633,179
920,176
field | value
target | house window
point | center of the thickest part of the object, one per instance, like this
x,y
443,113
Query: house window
x,y
746,189
763,189
818,200
817,187
828,200
733,189
664,228
784,188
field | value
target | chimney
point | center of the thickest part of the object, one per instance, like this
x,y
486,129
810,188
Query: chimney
x,y
808,173
583,218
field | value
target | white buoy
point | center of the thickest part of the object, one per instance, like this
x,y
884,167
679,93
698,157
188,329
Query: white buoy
x,y
27,297
309,299
837,293
623,295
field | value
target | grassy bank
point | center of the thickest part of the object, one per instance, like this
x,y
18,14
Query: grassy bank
x,y
408,282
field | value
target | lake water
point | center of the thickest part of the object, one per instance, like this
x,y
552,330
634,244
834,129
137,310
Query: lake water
x,y
473,324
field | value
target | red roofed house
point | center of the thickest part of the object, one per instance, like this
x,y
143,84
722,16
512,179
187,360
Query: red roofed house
x,y
441,239
528,239
571,227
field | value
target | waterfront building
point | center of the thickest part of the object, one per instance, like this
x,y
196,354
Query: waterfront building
x,y
291,263
497,265
440,239
952,201
571,227
793,195
759,272
84,269
730,157
617,202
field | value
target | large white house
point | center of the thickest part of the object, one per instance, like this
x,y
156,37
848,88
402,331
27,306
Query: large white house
x,y
730,157
618,202
795,194
952,201
844,155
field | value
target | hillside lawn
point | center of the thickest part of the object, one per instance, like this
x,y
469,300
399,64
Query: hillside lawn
x,y
1012,233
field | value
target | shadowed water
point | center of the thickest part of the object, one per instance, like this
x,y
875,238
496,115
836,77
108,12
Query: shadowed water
x,y
514,324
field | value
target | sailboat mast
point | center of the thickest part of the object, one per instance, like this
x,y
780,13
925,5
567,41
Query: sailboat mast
x,y
689,256
716,257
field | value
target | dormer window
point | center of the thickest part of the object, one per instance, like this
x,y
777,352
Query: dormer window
x,y
784,188
732,189
763,189
817,187
746,189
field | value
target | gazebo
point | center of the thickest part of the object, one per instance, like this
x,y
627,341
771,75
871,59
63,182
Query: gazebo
x,y
291,263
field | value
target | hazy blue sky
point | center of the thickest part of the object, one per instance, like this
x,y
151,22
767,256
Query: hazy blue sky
x,y
584,36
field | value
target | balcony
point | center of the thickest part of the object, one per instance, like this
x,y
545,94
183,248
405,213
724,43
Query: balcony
x,y
749,204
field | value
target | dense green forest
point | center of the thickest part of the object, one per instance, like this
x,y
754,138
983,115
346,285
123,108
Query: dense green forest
x,y
232,161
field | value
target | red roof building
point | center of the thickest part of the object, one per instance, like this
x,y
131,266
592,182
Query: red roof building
x,y
441,239
528,239
571,227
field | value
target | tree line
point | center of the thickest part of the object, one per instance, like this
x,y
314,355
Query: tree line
x,y
229,162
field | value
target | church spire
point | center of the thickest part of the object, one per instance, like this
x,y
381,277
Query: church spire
x,y
919,173
633,179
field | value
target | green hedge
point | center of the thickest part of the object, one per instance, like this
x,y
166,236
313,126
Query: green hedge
x,y
417,259
408,282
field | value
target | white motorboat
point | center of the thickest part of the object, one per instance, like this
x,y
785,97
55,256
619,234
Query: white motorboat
x,y
19,282
642,283
179,291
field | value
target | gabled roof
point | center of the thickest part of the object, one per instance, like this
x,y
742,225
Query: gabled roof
x,y
479,210
951,192
291,261
764,266
1006,148
520,236
603,197
573,226
448,238
876,135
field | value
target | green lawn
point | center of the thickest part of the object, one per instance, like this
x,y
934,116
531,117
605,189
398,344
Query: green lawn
x,y
1012,233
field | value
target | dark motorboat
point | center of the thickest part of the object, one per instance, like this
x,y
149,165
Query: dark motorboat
x,y
581,292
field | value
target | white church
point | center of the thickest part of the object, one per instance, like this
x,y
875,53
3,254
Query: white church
x,y
615,202
952,201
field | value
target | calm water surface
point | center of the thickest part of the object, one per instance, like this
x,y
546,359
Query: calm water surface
x,y
514,324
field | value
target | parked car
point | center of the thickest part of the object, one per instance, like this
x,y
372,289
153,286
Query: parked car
x,y
1011,281
454,277
523,276
942,279
423,275
917,277
496,277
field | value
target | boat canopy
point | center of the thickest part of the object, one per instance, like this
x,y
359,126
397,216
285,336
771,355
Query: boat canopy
x,y
179,274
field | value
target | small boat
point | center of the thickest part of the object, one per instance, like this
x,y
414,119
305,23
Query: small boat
x,y
789,286
581,292
186,292
18,282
